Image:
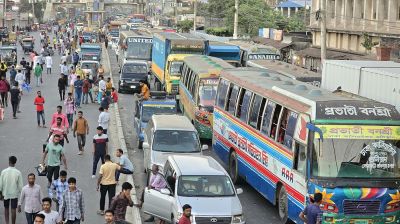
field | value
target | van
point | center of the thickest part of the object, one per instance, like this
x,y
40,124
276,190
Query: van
x,y
201,182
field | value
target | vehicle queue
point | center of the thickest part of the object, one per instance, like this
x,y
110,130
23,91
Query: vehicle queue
x,y
286,138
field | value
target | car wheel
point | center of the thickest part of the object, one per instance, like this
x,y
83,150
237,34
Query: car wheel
x,y
282,204
233,168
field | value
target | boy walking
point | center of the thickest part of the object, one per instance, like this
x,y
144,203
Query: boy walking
x,y
100,149
80,130
72,207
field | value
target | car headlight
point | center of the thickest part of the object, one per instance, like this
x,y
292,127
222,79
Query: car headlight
x,y
238,218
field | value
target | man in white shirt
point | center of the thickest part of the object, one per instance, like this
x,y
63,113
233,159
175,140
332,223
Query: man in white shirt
x,y
102,88
31,196
104,119
49,63
64,68
52,217
63,59
20,78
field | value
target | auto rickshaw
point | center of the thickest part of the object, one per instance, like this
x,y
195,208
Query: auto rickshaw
x,y
27,44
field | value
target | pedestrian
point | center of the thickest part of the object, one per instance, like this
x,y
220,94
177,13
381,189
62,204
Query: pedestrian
x,y
106,43
54,151
117,54
107,182
39,102
125,163
68,59
64,68
13,73
108,86
109,217
38,74
105,101
120,202
100,70
75,59
49,63
31,197
144,90
114,95
39,219
186,213
70,108
71,79
28,70
312,212
51,217
15,93
102,88
59,186
23,62
104,119
86,90
3,69
4,89
78,84
57,114
80,130
10,188
72,207
100,149
20,78
62,83
58,129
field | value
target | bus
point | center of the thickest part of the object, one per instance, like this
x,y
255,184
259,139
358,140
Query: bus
x,y
250,51
225,51
289,70
289,140
135,45
197,89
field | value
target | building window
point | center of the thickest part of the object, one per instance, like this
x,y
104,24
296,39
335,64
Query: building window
x,y
385,9
398,13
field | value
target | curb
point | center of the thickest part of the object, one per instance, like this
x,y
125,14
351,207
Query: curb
x,y
132,213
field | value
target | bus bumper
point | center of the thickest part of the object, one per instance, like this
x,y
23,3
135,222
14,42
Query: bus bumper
x,y
387,218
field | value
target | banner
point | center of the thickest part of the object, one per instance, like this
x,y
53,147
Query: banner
x,y
359,132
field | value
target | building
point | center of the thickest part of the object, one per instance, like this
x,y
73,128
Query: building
x,y
289,8
352,23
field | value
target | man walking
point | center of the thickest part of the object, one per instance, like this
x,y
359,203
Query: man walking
x,y
125,163
100,149
58,113
59,186
39,102
86,88
15,93
49,63
20,78
51,217
78,84
54,151
72,207
10,188
62,84
13,73
38,74
75,59
107,182
104,119
187,212
4,89
80,130
58,129
120,202
28,68
31,197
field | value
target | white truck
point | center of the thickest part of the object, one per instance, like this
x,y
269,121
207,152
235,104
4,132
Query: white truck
x,y
376,80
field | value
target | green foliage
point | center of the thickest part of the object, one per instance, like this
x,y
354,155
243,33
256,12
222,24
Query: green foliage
x,y
368,44
219,31
185,25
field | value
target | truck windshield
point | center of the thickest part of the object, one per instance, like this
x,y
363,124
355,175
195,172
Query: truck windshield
x,y
207,91
139,50
176,141
148,111
132,68
356,158
205,186
175,68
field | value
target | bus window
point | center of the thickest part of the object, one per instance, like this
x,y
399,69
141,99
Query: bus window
x,y
300,157
269,111
193,88
256,110
290,128
275,119
283,125
232,99
191,81
222,88
243,105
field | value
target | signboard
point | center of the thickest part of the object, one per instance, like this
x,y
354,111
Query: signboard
x,y
359,132
264,57
356,110
139,40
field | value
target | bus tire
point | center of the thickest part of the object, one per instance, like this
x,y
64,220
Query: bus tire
x,y
233,168
282,204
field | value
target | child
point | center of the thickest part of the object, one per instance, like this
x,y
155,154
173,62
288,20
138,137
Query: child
x,y
114,95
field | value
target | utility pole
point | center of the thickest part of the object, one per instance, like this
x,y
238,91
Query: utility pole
x,y
4,12
195,15
322,22
236,20
176,12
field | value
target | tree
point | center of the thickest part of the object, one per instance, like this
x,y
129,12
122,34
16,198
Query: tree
x,y
185,25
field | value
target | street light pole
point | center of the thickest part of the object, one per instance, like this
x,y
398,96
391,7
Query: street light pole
x,y
236,20
4,12
194,15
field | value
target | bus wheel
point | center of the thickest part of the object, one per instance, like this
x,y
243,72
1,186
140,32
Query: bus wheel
x,y
233,168
283,205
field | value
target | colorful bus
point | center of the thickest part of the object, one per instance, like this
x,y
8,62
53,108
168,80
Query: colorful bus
x,y
135,45
197,89
251,51
289,140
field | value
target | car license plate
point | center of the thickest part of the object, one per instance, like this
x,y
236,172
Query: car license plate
x,y
133,87
361,221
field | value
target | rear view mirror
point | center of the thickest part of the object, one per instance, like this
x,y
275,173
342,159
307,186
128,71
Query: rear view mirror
x,y
165,191
204,147
239,191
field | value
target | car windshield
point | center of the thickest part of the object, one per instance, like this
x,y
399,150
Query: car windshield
x,y
134,68
90,65
148,110
176,141
207,91
175,68
356,158
205,186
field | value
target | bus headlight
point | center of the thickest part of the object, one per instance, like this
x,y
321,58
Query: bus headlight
x,y
392,207
389,219
238,218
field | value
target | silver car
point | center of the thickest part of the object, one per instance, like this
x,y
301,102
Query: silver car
x,y
201,182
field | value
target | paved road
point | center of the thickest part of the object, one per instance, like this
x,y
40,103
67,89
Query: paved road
x,y
256,208
22,138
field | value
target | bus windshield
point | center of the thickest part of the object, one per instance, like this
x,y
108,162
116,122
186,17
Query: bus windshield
x,y
175,68
207,91
356,158
139,50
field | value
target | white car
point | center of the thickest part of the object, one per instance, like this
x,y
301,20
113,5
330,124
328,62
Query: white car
x,y
201,182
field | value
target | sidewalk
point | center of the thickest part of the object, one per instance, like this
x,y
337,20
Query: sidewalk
x,y
117,140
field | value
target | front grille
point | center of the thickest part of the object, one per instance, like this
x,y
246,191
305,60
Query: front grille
x,y
361,207
175,88
212,220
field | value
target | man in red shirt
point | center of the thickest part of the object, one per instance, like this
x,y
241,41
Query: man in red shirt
x,y
58,129
187,212
39,102
59,113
